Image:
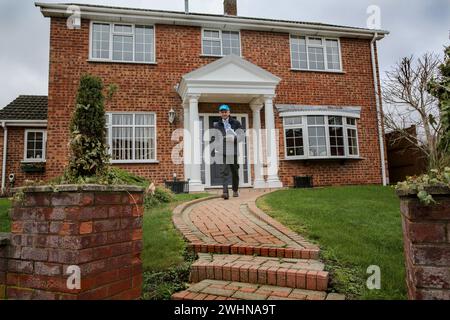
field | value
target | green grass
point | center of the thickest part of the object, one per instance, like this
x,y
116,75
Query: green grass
x,y
356,227
165,259
5,225
163,244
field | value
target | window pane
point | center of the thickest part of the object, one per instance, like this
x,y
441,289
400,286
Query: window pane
x,y
317,142
123,28
351,121
122,48
352,142
231,43
211,34
315,41
292,121
100,41
144,50
334,120
299,53
337,141
333,57
35,145
212,47
316,58
316,120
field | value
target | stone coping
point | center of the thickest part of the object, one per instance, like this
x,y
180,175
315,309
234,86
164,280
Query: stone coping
x,y
433,190
4,238
78,188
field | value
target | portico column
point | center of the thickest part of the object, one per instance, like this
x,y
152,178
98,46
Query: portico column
x,y
186,142
273,181
195,184
259,182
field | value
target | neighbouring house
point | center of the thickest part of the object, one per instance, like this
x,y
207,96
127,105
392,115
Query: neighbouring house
x,y
404,157
316,83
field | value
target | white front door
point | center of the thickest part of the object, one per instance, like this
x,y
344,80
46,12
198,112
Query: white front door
x,y
210,173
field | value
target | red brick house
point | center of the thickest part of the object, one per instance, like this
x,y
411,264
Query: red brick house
x,y
314,83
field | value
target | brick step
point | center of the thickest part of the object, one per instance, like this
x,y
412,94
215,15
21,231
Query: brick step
x,y
293,273
251,250
227,290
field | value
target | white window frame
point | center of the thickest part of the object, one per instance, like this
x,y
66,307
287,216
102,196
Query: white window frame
x,y
221,41
44,146
109,128
323,46
111,35
304,126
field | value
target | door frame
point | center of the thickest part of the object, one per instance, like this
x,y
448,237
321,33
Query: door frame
x,y
206,117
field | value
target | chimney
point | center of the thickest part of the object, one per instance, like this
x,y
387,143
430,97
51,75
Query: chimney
x,y
230,7
186,6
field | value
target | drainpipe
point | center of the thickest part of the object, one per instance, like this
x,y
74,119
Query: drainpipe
x,y
5,150
378,103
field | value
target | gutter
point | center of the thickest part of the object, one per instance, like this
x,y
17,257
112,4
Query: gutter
x,y
378,104
5,153
121,14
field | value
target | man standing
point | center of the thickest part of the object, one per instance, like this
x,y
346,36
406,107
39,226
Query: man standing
x,y
231,134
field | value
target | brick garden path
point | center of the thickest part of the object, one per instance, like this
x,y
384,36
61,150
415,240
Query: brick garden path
x,y
245,254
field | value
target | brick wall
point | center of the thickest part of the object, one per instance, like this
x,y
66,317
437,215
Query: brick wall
x,y
426,231
178,51
16,139
97,228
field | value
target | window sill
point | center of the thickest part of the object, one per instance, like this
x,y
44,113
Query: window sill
x,y
33,161
323,158
135,162
319,71
214,56
121,62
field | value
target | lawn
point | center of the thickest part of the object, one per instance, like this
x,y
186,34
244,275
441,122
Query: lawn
x,y
356,227
165,259
4,215
163,244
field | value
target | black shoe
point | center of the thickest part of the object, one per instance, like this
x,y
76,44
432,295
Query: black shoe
x,y
236,194
226,196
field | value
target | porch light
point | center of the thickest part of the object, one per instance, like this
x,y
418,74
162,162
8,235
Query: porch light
x,y
172,116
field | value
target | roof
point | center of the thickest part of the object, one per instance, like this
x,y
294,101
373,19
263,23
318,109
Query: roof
x,y
87,10
26,108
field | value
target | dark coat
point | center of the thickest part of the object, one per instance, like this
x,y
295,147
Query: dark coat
x,y
240,135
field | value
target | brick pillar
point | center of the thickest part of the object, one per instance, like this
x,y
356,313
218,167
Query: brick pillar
x,y
426,234
95,228
4,241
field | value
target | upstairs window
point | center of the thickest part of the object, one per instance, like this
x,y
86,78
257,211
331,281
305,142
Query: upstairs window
x,y
320,136
315,53
122,43
220,43
35,141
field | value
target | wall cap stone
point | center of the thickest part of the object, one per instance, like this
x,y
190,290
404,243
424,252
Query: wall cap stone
x,y
78,188
4,239
433,190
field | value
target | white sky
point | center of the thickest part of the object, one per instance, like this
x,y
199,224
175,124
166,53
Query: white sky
x,y
416,26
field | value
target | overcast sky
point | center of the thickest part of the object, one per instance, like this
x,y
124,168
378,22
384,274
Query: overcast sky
x,y
416,26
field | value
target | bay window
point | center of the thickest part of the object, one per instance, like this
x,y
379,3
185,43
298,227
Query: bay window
x,y
132,137
320,136
315,53
122,42
220,43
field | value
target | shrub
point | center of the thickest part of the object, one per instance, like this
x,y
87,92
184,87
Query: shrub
x,y
89,159
159,196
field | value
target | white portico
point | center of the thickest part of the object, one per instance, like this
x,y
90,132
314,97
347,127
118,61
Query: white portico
x,y
231,80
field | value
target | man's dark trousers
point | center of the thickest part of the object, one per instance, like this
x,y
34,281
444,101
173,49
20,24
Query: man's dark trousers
x,y
225,170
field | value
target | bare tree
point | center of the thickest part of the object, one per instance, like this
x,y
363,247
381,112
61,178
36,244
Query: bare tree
x,y
407,103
